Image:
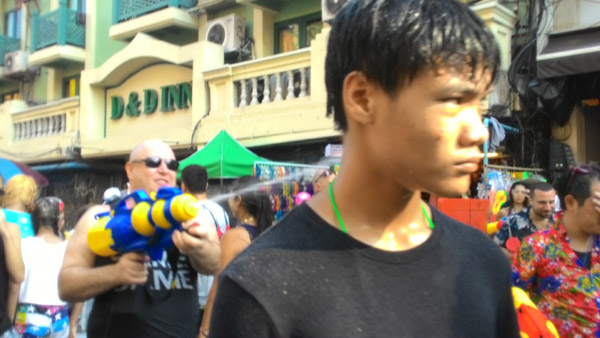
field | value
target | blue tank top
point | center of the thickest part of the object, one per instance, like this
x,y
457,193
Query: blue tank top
x,y
251,230
22,219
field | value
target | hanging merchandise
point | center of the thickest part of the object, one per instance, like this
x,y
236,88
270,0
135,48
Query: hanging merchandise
x,y
500,178
288,184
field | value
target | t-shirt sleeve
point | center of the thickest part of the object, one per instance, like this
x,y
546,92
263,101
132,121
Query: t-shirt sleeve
x,y
236,313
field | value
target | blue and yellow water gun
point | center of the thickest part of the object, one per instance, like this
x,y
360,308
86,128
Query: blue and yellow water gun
x,y
141,222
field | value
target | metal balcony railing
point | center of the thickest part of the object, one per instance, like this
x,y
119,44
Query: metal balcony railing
x,y
59,27
7,45
128,9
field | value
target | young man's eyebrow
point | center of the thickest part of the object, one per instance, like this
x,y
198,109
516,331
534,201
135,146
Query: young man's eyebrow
x,y
458,89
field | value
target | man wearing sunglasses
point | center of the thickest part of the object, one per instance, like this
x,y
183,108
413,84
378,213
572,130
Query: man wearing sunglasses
x,y
136,297
560,267
321,179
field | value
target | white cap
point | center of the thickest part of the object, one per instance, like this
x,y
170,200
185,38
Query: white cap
x,y
111,194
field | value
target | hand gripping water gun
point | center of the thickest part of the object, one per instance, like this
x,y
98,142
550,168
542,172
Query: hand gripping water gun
x,y
147,226
532,322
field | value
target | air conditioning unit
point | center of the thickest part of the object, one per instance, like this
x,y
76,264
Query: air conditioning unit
x,y
330,7
228,31
15,62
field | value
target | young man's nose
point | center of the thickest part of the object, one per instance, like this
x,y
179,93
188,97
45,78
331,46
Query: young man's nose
x,y
474,131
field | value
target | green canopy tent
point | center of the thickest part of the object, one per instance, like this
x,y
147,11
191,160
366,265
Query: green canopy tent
x,y
223,157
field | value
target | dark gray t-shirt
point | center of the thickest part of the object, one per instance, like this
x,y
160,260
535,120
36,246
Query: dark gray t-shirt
x,y
158,309
304,278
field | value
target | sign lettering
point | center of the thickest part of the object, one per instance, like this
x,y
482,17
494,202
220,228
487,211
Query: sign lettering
x,y
172,97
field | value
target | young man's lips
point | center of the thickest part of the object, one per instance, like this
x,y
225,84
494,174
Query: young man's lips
x,y
470,165
467,167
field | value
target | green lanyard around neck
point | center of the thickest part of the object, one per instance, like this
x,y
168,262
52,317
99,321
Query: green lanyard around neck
x,y
339,217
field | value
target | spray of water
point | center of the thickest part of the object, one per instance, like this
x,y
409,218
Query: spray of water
x,y
299,172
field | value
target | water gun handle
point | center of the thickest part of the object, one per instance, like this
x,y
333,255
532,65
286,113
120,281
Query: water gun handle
x,y
532,322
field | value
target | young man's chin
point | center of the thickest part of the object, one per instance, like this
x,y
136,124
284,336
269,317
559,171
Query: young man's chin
x,y
450,189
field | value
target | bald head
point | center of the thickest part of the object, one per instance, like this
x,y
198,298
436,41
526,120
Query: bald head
x,y
151,166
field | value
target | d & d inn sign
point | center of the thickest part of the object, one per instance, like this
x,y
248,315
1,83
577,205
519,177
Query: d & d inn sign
x,y
179,95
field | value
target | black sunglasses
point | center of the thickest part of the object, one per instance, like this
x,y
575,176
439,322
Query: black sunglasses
x,y
324,173
154,162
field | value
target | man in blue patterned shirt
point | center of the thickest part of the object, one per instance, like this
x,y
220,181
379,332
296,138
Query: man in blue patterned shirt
x,y
537,217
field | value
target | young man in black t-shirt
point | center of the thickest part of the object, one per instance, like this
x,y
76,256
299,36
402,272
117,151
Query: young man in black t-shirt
x,y
367,258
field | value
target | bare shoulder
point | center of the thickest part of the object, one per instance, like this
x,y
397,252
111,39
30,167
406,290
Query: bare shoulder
x,y
78,251
235,237
15,232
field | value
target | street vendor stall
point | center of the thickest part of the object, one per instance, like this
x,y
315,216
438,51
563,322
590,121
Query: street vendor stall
x,y
288,184
223,157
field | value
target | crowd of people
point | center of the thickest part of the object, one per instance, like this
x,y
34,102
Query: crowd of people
x,y
365,256
48,278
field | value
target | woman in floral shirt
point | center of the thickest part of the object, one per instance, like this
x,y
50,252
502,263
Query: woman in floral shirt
x,y
560,267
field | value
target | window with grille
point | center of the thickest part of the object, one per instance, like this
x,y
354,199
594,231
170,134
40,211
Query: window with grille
x,y
12,24
297,33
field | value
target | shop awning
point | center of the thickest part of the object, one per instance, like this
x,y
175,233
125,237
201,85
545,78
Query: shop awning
x,y
570,54
61,166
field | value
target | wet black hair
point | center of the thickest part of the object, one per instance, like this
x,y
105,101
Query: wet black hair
x,y
255,199
46,213
577,184
195,178
392,41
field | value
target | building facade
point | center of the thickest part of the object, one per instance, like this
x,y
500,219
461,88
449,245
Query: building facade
x,y
83,81
569,56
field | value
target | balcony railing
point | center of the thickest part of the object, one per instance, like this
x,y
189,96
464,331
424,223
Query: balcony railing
x,y
253,91
127,9
7,45
282,77
59,27
56,119
41,127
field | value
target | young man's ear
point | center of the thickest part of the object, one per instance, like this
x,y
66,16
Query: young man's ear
x,y
570,203
183,188
356,96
